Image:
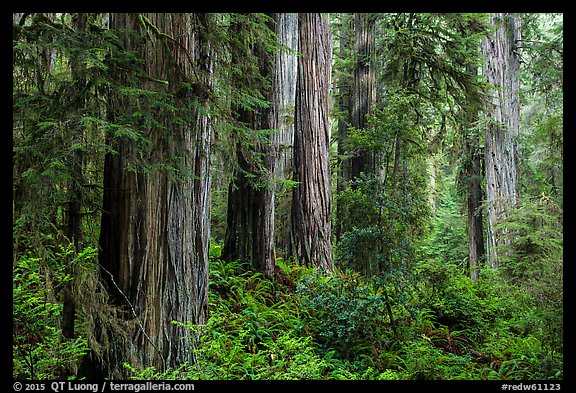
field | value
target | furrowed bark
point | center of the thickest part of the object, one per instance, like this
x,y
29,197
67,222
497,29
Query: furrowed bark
x,y
312,199
155,230
285,79
251,201
501,69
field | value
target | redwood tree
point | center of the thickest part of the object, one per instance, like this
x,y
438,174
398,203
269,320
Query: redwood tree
x,y
312,197
502,71
357,95
364,88
250,230
471,172
285,79
154,241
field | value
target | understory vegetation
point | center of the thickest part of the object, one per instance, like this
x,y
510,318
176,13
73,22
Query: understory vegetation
x,y
305,325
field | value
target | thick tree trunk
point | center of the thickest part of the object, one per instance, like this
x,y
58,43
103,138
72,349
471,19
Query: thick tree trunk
x,y
312,199
155,226
285,79
501,69
251,201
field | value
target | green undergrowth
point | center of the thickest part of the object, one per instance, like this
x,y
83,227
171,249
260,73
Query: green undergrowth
x,y
430,322
305,325
39,349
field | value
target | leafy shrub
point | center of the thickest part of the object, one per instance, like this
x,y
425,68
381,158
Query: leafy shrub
x,y
460,306
347,312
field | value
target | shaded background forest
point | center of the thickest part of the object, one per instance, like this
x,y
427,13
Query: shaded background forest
x,y
288,196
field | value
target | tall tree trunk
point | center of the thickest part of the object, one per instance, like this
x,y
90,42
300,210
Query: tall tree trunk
x,y
251,201
474,225
250,219
312,199
285,79
155,226
355,101
501,69
472,174
364,88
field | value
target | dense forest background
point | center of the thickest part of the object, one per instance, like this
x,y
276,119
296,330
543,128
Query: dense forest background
x,y
287,196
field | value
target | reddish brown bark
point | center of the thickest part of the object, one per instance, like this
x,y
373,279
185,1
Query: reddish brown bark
x,y
155,226
312,198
